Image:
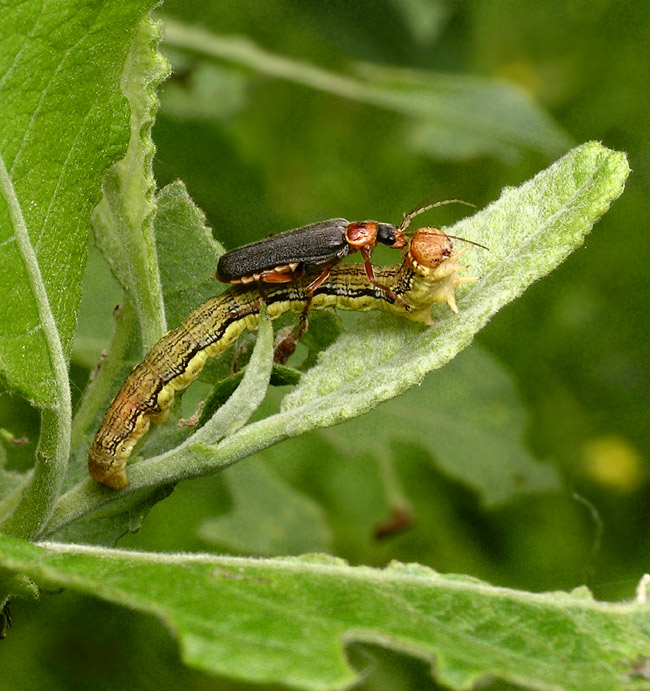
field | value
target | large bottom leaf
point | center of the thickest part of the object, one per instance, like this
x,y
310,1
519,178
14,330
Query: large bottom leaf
x,y
289,620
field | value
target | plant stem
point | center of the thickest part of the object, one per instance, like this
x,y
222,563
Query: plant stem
x,y
41,489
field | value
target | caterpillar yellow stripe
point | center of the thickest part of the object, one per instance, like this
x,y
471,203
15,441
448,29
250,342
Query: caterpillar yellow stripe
x,y
428,275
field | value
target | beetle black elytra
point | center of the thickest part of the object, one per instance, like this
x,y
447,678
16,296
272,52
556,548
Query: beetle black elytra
x,y
287,256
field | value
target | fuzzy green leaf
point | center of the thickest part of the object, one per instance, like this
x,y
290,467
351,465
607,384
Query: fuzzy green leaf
x,y
60,70
269,516
123,220
288,621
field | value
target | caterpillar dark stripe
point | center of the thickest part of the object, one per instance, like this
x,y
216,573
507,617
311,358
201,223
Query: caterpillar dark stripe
x,y
428,275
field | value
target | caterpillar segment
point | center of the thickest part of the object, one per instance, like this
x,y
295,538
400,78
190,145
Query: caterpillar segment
x,y
428,275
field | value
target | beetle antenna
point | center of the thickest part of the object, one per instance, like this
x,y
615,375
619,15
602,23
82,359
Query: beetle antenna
x,y
411,233
421,209
471,242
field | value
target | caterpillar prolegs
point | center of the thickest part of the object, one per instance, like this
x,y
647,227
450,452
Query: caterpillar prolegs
x,y
428,275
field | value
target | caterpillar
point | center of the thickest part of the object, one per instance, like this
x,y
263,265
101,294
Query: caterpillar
x,y
428,275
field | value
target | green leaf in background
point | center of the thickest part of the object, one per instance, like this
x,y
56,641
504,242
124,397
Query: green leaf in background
x,y
287,620
470,420
466,117
106,526
188,253
269,516
449,111
100,299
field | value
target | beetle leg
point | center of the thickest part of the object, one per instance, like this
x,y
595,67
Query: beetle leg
x,y
395,297
318,281
286,347
365,253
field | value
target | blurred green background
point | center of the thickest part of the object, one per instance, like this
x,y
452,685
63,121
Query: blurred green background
x,y
262,154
